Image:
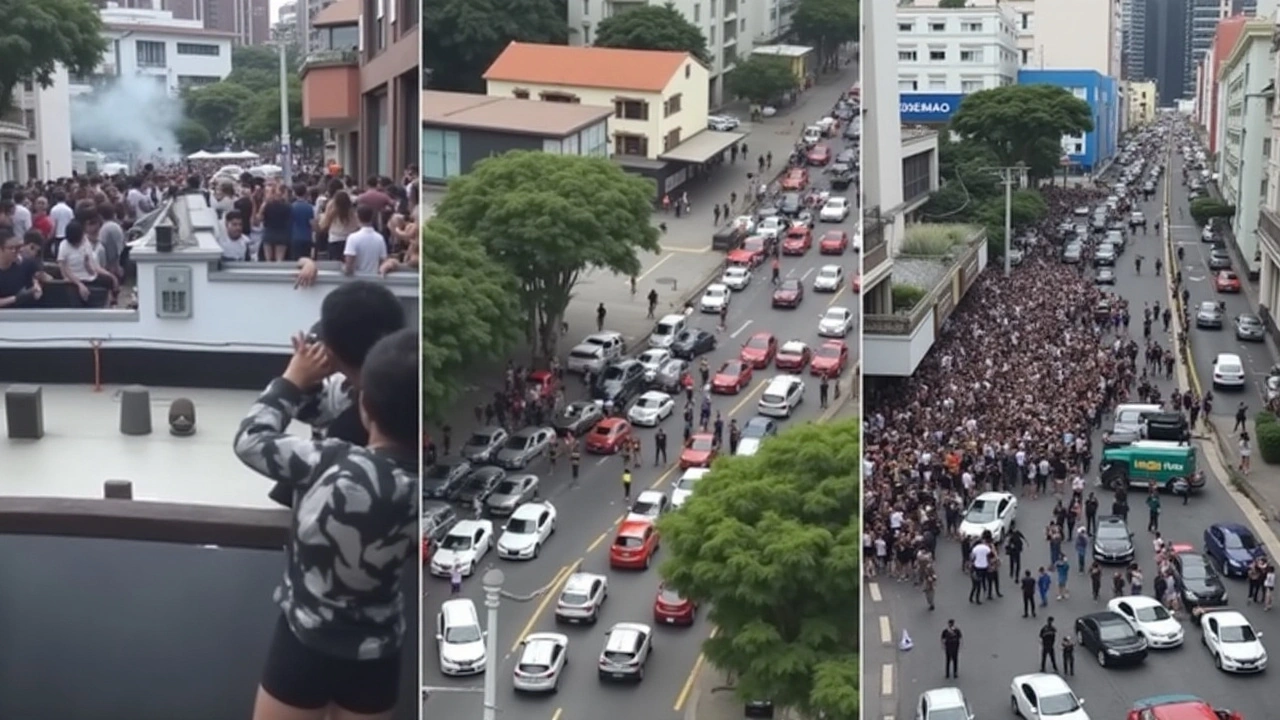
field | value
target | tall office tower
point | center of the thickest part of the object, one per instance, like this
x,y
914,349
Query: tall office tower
x,y
1202,24
1165,49
249,20
1133,23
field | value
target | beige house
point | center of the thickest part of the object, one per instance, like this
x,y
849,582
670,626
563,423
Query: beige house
x,y
659,100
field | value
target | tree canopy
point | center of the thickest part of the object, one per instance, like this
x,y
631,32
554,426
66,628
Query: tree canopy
x,y
762,79
770,544
826,25
953,4
461,38
652,27
549,217
39,35
245,107
1023,123
470,314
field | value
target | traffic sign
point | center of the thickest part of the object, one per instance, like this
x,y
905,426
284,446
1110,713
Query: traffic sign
x,y
1065,160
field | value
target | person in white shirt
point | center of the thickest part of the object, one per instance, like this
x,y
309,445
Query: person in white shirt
x,y
231,238
366,248
61,214
138,199
21,214
980,564
80,267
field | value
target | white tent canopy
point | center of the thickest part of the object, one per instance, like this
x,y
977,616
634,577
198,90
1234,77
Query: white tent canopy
x,y
234,155
200,155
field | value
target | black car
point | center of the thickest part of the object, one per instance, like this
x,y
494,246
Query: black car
x,y
620,382
692,342
842,180
1105,255
1198,583
441,480
790,204
1219,259
480,484
577,418
1113,542
1111,638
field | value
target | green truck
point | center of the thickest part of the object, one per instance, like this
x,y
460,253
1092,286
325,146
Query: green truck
x,y
1144,462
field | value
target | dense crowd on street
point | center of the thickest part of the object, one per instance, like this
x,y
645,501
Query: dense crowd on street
x,y
70,237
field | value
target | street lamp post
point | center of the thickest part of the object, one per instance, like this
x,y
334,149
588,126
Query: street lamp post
x,y
286,143
493,579
1009,176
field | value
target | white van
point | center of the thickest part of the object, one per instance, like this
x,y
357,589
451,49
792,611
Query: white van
x,y
782,395
461,639
666,330
1128,418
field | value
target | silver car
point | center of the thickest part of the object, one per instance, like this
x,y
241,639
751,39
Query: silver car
x,y
668,375
1250,327
1209,315
524,447
511,493
581,598
483,443
542,660
626,652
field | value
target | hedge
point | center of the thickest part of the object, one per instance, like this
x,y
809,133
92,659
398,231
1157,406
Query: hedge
x,y
1268,440
1205,209
906,297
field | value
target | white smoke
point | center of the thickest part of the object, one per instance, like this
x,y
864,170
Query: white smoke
x,y
133,114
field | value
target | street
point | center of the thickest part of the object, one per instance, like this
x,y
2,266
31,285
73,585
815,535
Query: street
x,y
590,508
998,643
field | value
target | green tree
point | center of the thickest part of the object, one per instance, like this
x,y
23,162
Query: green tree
x,y
953,4
219,107
761,79
1023,123
1026,208
260,122
470,314
769,544
461,38
652,27
826,25
548,218
192,136
39,35
966,180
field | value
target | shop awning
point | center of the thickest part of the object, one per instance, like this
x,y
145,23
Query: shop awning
x,y
703,146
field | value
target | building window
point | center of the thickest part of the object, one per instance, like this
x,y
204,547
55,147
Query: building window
x,y
559,97
970,86
697,13
520,94
631,109
671,140
974,27
1024,21
906,56
671,105
586,33
630,145
552,146
937,56
29,119
343,37
916,179
908,86
586,8
712,37
905,27
937,27
595,141
937,84
971,56
199,49
441,156
28,86
1024,57
711,10
150,53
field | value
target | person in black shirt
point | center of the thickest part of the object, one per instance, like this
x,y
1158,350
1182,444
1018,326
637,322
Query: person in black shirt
x,y
951,637
1028,585
1013,545
277,224
337,646
1048,638
20,278
1091,513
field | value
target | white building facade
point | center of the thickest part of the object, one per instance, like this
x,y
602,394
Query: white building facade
x,y
154,44
35,137
1245,125
962,50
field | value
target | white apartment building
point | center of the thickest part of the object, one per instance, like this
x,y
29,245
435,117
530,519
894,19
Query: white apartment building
x,y
154,44
732,28
962,50
1247,106
35,137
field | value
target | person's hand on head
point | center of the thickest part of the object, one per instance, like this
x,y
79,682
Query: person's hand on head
x,y
310,363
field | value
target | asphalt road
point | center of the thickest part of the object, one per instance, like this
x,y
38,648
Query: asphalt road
x,y
590,509
999,644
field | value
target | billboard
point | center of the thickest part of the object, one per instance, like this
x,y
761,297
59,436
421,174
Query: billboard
x,y
928,107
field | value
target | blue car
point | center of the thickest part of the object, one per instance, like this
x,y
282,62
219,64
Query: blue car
x,y
1233,547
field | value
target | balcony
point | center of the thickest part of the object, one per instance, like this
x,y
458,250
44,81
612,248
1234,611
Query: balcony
x,y
331,89
13,126
875,251
1269,232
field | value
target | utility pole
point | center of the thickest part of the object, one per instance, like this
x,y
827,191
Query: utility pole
x,y
1010,175
286,143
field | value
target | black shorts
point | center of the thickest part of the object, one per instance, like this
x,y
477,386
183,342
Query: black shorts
x,y
276,239
308,679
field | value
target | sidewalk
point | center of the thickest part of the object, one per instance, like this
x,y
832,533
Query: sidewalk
x,y
1262,484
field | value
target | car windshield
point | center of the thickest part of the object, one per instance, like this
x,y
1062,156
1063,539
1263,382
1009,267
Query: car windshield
x,y
664,328
731,368
1058,704
830,273
614,372
463,634
517,442
456,542
1237,634
758,343
1239,541
1152,613
602,430
479,481
982,511
569,597
1114,631
507,487
648,402
439,472
789,286
1112,532
628,541
671,597
1193,568
951,713
479,439
522,526
687,483
701,442
644,507
829,351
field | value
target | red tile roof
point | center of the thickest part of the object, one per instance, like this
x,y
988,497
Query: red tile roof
x,y
639,70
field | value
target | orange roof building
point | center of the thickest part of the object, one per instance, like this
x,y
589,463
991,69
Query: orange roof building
x,y
649,71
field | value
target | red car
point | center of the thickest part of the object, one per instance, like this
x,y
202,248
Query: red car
x,y
699,451
607,436
819,155
544,381
793,355
731,377
426,549
856,284
834,242
831,359
1226,281
795,180
634,545
798,240
671,609
1179,707
759,350
751,254
789,294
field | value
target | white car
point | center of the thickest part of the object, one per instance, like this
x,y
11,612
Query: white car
x,y
715,298
1235,646
990,511
542,659
836,209
946,703
723,123
651,408
1149,617
1228,371
1044,696
781,396
652,359
836,322
626,652
830,278
460,638
651,505
736,277
746,222
748,446
581,597
772,227
526,531
465,545
683,488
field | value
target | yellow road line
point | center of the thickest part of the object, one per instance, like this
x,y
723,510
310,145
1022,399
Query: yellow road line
x,y
687,688
556,715
874,589
759,388
663,477
596,543
552,592
836,297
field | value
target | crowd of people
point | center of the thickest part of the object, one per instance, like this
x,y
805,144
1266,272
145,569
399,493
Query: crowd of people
x,y
66,242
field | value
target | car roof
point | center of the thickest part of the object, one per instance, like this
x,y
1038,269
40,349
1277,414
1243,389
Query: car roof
x,y
529,510
538,647
944,698
1135,600
760,420
1044,682
672,318
718,287
581,581
829,268
611,422
843,311
634,527
695,473
459,609
467,527
793,346
652,496
1177,707
993,495
623,635
655,395
1227,357
1227,617
1106,617
784,380
1236,528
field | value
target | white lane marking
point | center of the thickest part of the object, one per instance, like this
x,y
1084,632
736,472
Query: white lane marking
x,y
655,266
807,273
738,332
886,632
874,589
886,679
601,461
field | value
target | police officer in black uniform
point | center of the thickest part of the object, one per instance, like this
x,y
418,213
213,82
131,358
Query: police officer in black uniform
x,y
660,447
575,460
951,636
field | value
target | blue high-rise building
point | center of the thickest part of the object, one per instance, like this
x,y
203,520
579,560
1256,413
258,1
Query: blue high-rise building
x,y
1089,152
